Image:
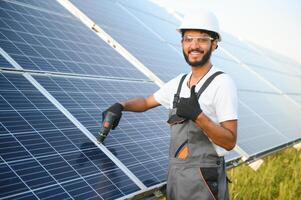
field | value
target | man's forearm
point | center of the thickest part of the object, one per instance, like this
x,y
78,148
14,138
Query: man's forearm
x,y
222,135
139,104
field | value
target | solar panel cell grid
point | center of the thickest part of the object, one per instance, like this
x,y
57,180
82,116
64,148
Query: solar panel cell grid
x,y
4,63
149,8
130,31
277,110
255,134
240,74
251,56
139,139
285,82
48,5
40,153
155,19
14,183
50,41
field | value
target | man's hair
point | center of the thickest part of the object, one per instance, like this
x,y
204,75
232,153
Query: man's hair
x,y
212,34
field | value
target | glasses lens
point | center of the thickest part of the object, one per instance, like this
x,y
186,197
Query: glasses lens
x,y
198,39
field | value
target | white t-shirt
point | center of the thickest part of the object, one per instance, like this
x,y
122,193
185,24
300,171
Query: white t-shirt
x,y
218,101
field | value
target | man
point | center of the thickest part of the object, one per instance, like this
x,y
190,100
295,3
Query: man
x,y
203,124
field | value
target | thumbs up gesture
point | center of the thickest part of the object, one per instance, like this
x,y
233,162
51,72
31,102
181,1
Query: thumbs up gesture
x,y
189,108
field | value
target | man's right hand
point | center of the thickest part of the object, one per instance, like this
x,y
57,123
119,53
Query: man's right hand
x,y
117,109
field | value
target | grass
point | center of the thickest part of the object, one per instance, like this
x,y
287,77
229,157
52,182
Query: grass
x,y
279,178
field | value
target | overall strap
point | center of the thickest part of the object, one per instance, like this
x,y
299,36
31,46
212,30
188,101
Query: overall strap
x,y
207,82
177,95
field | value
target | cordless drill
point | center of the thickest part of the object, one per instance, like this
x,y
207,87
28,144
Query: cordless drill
x,y
106,126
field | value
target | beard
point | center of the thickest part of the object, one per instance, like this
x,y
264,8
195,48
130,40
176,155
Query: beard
x,y
198,63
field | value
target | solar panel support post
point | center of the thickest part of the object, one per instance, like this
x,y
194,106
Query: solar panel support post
x,y
297,146
244,154
255,165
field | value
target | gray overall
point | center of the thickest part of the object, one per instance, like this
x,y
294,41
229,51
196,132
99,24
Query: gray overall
x,y
195,172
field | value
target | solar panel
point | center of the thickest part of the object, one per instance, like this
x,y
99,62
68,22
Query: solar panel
x,y
286,81
43,153
140,141
261,103
277,110
290,65
250,56
4,63
46,5
155,18
131,31
239,73
255,134
53,41
283,81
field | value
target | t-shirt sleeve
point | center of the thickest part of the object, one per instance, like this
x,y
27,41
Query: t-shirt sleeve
x,y
164,95
226,100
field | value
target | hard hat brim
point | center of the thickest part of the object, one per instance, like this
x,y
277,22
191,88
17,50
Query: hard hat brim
x,y
181,29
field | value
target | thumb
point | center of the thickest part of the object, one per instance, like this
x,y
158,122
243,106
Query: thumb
x,y
192,91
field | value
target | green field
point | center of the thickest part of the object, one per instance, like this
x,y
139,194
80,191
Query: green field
x,y
279,177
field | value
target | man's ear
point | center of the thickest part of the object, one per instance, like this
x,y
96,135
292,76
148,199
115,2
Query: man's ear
x,y
214,44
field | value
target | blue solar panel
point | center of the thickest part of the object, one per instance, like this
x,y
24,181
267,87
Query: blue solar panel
x,y
256,135
240,74
47,5
44,155
282,73
137,35
156,18
54,41
149,8
285,82
140,141
291,66
250,56
277,110
4,63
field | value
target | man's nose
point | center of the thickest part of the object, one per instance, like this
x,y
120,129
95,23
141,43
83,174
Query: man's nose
x,y
194,43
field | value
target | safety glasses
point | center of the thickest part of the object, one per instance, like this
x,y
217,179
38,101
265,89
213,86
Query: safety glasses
x,y
199,39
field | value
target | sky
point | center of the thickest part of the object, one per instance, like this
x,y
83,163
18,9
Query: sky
x,y
272,24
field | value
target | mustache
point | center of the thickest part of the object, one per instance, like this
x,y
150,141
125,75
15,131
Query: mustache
x,y
198,50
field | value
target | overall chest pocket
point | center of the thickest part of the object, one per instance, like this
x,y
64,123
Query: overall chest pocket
x,y
179,141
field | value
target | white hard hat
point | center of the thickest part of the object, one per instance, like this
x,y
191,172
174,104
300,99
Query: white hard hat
x,y
203,20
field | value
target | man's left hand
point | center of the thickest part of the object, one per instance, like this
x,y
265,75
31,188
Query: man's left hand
x,y
189,108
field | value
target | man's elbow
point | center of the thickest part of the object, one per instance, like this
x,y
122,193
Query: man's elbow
x,y
230,146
